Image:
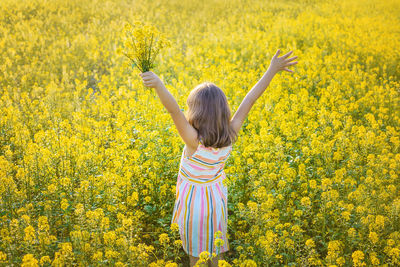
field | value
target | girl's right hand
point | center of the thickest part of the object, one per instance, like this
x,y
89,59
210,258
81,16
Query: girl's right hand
x,y
282,63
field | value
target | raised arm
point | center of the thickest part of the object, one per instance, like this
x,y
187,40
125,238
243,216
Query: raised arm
x,y
186,131
277,64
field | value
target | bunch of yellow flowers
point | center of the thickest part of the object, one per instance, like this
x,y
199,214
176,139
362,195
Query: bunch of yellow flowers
x,y
141,44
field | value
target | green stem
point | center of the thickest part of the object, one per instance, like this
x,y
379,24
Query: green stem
x,y
151,43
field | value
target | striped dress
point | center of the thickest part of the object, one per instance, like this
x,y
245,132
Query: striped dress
x,y
201,199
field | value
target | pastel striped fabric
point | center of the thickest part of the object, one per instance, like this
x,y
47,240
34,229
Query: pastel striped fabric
x,y
201,199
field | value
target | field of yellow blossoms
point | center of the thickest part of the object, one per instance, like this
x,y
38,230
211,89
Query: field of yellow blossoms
x,y
89,156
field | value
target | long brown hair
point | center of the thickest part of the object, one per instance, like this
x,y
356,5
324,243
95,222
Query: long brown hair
x,y
209,114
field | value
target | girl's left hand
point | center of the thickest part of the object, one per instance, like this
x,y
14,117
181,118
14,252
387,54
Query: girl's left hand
x,y
150,79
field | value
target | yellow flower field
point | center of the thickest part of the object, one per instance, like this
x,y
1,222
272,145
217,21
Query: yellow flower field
x,y
89,156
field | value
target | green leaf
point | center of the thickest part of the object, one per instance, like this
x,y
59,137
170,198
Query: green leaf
x,y
149,209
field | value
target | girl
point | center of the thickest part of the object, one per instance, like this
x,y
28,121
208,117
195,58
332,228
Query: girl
x,y
208,133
